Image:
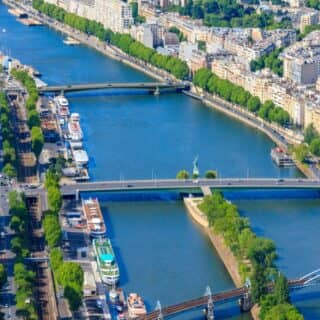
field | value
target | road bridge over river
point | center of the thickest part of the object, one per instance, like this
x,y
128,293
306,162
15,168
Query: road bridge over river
x,y
311,279
188,185
150,86
203,186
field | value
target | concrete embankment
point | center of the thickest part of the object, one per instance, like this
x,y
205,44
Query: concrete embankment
x,y
217,241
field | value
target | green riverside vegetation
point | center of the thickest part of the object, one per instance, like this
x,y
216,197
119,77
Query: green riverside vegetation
x,y
123,41
69,275
255,256
9,152
20,243
37,138
225,89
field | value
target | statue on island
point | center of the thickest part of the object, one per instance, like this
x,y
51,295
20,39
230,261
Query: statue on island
x,y
195,171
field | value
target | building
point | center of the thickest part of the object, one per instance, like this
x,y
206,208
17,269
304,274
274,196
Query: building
x,y
301,62
308,18
197,60
113,14
143,34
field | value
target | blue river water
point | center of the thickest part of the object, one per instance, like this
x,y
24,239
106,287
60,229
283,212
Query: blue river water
x,y
162,253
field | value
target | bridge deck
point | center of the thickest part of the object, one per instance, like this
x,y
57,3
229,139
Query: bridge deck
x,y
113,85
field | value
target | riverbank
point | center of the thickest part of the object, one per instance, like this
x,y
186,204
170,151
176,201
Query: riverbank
x,y
229,260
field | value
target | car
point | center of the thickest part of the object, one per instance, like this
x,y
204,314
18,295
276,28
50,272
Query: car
x,y
129,185
280,180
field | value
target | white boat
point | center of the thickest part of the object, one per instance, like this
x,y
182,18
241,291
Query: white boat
x,y
74,127
80,157
95,223
62,106
136,306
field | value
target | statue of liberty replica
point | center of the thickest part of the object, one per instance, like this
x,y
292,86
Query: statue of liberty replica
x,y
195,171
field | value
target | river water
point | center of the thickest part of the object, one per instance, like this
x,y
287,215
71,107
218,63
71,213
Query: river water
x,y
163,255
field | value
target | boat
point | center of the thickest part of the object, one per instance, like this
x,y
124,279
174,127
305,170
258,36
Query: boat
x,y
71,41
136,306
80,157
93,215
62,105
107,264
281,158
74,128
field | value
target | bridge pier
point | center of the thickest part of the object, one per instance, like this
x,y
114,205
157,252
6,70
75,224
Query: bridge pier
x,y
158,307
245,302
210,307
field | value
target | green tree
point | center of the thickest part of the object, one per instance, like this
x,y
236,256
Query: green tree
x,y
9,170
315,146
37,140
310,133
301,152
74,297
3,275
281,289
183,174
211,174
56,259
33,119
54,199
253,104
283,312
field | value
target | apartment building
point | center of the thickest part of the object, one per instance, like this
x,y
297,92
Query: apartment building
x,y
301,62
113,14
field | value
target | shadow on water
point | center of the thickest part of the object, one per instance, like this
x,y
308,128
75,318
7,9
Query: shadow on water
x,y
116,92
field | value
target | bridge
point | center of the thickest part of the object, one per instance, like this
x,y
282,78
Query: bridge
x,y
199,185
241,294
151,86
203,186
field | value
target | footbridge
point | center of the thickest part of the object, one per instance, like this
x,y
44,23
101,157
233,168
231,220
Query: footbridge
x,y
150,86
241,294
188,185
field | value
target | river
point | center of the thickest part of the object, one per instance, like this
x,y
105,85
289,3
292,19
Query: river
x,y
162,252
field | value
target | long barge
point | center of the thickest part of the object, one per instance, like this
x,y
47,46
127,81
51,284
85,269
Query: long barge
x,y
95,223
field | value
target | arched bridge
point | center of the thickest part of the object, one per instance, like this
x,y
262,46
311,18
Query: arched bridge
x,y
310,279
154,86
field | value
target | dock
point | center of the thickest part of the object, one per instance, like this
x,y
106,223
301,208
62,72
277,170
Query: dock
x,y
30,22
71,41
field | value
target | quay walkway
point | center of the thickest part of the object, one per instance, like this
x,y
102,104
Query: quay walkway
x,y
154,86
311,279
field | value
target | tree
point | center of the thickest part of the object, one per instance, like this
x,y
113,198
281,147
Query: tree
x,y
253,104
283,312
315,147
33,119
310,133
211,174
56,259
258,283
3,275
37,140
52,230
281,289
9,170
54,199
74,297
183,174
301,152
